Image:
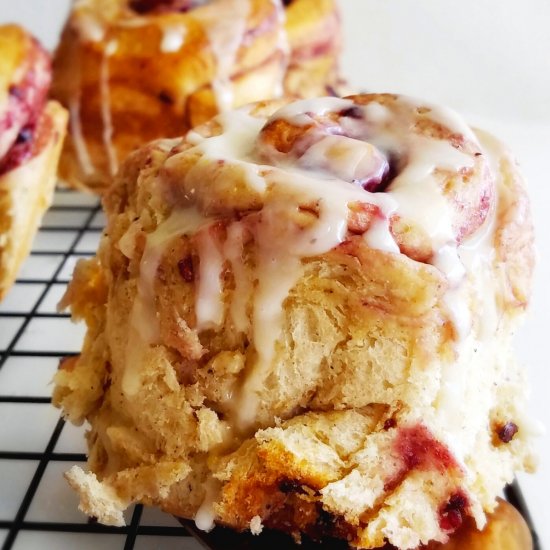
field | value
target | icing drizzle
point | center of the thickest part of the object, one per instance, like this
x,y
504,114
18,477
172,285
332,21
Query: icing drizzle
x,y
225,26
304,213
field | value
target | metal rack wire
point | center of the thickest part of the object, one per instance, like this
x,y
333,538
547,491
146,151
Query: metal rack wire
x,y
37,509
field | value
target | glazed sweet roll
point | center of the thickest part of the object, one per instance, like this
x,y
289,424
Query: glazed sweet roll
x,y
31,134
134,70
300,318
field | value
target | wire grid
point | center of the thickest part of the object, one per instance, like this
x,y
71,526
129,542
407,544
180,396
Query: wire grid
x,y
37,508
38,511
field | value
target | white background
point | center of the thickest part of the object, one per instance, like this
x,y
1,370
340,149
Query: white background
x,y
490,59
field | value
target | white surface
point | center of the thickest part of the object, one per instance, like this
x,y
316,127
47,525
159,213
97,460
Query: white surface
x,y
21,298
55,335
490,59
8,328
57,218
26,427
72,439
88,242
52,298
29,376
40,267
54,501
15,476
37,540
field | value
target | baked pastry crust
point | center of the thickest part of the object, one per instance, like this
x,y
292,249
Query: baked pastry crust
x,y
30,145
269,343
129,77
505,530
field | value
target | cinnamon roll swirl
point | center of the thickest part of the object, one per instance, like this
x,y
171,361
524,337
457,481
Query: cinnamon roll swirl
x,y
31,135
300,318
130,71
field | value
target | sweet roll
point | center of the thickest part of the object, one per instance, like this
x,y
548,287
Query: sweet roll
x,y
31,135
130,71
300,317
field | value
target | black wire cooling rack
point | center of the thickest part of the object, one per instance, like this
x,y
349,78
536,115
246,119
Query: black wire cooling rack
x,y
37,508
38,511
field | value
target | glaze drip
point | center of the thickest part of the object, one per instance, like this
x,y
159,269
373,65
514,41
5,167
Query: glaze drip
x,y
302,207
164,6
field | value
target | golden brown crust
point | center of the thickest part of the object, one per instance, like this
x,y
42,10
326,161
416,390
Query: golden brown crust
x,y
25,194
314,36
14,45
31,136
123,90
505,530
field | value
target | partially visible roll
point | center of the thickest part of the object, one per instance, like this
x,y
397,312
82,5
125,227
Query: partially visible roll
x,y
31,135
314,36
130,71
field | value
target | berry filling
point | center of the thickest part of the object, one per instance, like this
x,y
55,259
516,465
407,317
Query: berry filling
x,y
418,449
164,6
451,514
507,432
21,122
186,270
30,141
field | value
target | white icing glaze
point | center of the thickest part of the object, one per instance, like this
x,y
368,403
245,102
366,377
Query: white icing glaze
x,y
225,25
106,117
418,192
173,38
478,253
281,240
297,111
281,245
377,113
473,288
206,514
346,158
235,144
233,252
90,27
448,118
180,222
208,303
276,277
448,261
144,326
379,236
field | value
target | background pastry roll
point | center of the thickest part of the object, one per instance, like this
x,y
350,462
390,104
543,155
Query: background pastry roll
x,y
300,317
133,70
31,135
